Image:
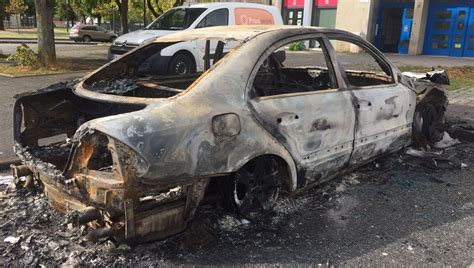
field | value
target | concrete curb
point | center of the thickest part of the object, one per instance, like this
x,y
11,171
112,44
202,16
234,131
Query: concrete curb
x,y
33,75
34,41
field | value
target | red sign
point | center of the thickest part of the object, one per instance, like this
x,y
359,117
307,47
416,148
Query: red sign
x,y
294,3
317,3
325,3
253,16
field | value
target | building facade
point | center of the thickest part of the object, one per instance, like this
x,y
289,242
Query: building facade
x,y
429,27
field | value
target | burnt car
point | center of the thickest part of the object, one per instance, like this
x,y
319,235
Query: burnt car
x,y
132,153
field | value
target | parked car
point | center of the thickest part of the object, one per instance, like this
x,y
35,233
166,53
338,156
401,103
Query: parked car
x,y
186,57
88,33
132,153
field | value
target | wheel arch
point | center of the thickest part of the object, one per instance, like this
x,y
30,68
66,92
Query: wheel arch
x,y
290,179
187,53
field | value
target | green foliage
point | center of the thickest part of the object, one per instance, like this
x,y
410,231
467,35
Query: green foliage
x,y
296,46
16,7
64,10
24,56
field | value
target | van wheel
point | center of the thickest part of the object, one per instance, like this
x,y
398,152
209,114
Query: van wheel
x,y
86,38
254,189
181,64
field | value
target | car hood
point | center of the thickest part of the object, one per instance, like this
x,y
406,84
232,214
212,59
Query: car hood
x,y
141,36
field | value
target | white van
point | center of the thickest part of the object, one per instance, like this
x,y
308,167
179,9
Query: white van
x,y
186,57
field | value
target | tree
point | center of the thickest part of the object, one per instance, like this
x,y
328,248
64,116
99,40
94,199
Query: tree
x,y
83,8
123,9
16,7
46,47
64,11
157,8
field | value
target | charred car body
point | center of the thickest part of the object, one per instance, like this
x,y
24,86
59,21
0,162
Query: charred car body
x,y
131,153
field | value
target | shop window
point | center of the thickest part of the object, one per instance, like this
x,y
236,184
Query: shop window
x,y
442,25
443,15
439,45
440,37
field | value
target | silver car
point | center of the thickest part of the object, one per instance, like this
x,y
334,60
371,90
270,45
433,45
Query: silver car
x,y
88,33
134,153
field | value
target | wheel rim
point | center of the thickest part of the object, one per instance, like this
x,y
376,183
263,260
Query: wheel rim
x,y
256,187
181,67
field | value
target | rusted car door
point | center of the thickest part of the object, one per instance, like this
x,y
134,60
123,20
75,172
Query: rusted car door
x,y
384,107
310,116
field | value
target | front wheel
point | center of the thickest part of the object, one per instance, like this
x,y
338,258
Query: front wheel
x,y
181,64
254,189
430,119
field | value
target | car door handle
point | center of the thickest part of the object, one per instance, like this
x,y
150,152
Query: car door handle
x,y
285,119
364,105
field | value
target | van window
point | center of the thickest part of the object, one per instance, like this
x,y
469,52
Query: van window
x,y
219,17
253,16
176,19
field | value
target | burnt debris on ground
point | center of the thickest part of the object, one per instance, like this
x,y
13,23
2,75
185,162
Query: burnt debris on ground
x,y
382,202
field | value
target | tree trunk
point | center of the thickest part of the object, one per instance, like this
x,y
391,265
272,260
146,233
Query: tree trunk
x,y
152,10
17,24
46,47
123,9
2,14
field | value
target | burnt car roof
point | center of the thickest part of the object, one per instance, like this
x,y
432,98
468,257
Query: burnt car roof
x,y
242,32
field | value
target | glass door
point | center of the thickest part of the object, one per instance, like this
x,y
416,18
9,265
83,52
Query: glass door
x,y
469,43
439,35
407,21
461,15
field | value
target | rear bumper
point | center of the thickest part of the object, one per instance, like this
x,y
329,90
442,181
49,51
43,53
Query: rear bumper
x,y
114,210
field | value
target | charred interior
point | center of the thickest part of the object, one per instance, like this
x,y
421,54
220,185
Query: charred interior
x,y
141,74
46,120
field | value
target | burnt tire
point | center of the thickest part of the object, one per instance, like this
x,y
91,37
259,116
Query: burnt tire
x,y
254,189
181,64
86,39
433,122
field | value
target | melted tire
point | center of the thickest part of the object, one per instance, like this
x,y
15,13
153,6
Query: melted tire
x,y
254,189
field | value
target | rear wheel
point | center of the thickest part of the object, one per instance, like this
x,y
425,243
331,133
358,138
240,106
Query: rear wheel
x,y
86,38
181,64
254,189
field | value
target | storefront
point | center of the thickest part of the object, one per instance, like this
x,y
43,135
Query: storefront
x,y
450,28
393,28
323,13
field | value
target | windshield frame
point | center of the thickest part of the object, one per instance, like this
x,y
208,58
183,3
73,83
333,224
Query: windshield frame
x,y
188,21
